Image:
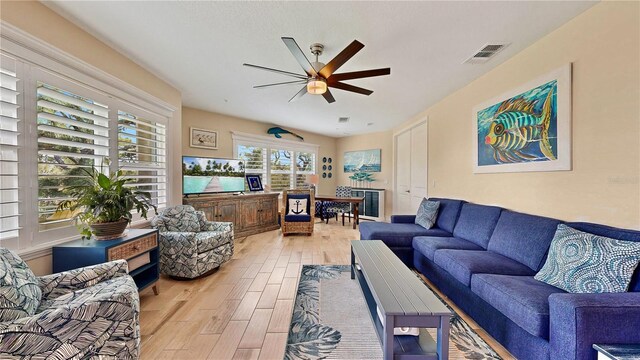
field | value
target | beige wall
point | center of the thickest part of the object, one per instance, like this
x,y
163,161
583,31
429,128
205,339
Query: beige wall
x,y
224,124
384,179
29,16
604,186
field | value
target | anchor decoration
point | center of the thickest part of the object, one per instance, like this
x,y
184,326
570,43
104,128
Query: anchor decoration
x,y
297,210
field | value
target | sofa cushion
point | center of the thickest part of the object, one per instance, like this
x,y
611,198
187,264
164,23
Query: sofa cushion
x,y
20,294
524,238
448,213
427,213
476,223
522,299
581,262
396,235
299,196
461,264
614,233
298,207
297,218
208,240
427,245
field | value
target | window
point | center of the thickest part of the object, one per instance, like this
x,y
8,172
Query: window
x,y
10,97
56,122
73,135
283,164
142,155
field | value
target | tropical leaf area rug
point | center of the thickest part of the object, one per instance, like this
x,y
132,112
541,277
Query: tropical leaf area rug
x,y
331,321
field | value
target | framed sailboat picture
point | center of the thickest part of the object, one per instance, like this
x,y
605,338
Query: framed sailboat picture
x,y
526,129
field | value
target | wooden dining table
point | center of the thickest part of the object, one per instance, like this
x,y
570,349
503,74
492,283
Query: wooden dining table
x,y
355,200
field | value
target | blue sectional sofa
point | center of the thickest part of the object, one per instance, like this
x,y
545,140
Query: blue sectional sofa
x,y
484,259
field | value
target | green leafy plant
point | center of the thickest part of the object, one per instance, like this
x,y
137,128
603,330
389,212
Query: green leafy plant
x,y
103,199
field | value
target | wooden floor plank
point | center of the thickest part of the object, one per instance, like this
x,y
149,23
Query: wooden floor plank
x,y
256,330
228,342
274,346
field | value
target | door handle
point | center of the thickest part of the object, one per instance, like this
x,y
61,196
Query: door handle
x,y
408,191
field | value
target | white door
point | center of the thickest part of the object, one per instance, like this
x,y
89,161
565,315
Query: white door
x,y
418,165
411,169
403,173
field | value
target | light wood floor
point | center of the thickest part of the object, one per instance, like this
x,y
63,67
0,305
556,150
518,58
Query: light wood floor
x,y
243,310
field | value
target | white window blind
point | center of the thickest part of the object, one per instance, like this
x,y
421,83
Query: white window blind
x,y
255,160
72,134
142,155
10,102
305,165
281,170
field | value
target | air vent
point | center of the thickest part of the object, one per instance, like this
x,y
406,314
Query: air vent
x,y
343,120
485,53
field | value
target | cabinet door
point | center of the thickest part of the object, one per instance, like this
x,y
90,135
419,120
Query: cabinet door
x,y
268,211
362,207
226,212
372,203
249,215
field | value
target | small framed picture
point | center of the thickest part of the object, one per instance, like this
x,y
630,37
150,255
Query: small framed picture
x,y
202,138
254,182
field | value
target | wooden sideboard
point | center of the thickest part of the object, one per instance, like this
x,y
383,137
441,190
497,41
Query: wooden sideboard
x,y
249,213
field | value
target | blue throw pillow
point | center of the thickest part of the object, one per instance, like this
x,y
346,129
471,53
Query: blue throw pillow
x,y
580,262
427,213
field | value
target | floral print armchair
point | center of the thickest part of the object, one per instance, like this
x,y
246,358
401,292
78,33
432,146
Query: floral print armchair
x,y
86,313
190,245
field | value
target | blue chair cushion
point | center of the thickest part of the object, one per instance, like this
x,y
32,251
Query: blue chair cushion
x,y
524,238
297,218
522,299
448,213
461,264
614,233
476,223
396,235
427,245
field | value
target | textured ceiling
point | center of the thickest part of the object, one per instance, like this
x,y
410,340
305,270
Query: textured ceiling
x,y
199,47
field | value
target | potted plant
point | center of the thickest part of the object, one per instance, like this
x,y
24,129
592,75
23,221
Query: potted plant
x,y
102,204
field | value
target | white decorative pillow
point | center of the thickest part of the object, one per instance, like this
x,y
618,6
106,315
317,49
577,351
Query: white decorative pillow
x,y
297,207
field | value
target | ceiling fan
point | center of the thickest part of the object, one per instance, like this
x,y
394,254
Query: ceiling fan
x,y
318,76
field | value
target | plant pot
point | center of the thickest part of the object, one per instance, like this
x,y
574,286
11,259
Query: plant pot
x,y
111,230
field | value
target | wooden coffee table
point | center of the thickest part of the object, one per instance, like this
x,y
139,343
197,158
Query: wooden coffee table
x,y
403,300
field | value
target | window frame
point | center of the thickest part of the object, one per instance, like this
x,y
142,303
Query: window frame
x,y
40,62
269,143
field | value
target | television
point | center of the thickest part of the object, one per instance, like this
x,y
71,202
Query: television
x,y
202,175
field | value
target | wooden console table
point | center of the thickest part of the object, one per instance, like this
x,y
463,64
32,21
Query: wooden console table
x,y
139,247
351,200
250,213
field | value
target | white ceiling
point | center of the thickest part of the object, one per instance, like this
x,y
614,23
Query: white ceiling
x,y
199,47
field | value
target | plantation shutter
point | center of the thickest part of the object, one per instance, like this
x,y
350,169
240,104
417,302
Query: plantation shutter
x,y
142,155
73,134
10,113
305,165
281,170
255,160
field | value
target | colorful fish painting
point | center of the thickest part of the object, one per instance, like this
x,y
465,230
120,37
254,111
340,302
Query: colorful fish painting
x,y
520,129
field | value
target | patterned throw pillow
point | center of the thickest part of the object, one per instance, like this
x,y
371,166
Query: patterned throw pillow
x,y
19,291
297,207
427,213
580,262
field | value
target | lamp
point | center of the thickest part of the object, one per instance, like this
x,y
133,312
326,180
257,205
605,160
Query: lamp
x,y
313,180
316,86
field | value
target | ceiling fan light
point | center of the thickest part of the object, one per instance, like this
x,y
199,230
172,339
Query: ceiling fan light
x,y
316,86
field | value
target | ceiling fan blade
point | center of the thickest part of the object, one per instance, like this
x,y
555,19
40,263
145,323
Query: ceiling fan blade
x,y
328,96
299,94
347,87
299,55
360,74
299,76
279,84
341,58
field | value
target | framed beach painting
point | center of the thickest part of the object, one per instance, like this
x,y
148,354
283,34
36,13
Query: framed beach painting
x,y
202,138
526,129
363,160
